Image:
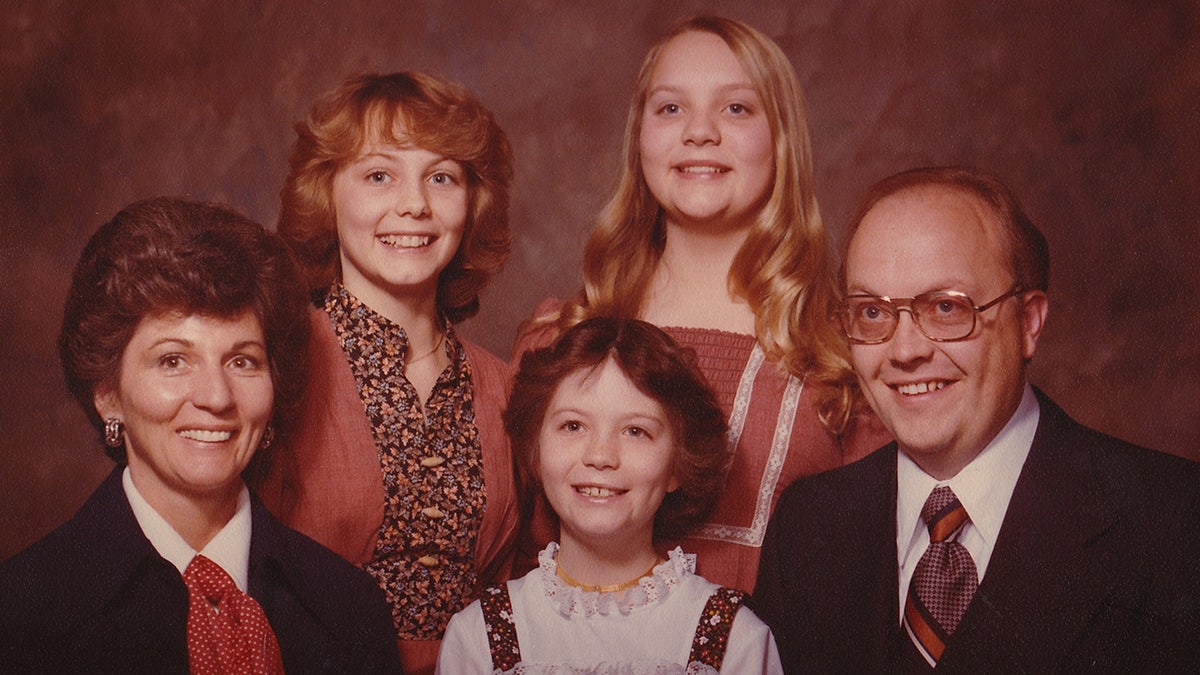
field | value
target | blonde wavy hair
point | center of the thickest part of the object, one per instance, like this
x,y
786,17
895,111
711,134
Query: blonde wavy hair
x,y
782,269
432,114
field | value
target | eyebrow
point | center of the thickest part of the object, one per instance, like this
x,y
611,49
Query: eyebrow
x,y
393,156
859,290
175,340
240,344
550,410
723,89
648,421
374,155
627,416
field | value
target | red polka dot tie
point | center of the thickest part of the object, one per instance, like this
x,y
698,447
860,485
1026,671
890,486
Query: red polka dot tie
x,y
227,630
944,580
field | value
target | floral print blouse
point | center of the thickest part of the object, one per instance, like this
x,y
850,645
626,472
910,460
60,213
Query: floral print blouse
x,y
432,469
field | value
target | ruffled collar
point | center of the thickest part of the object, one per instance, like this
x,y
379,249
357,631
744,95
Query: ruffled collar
x,y
574,601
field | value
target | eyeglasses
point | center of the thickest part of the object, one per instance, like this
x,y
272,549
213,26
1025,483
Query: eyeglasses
x,y
941,316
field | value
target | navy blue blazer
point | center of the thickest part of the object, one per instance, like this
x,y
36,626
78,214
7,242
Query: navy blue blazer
x,y
94,596
1095,567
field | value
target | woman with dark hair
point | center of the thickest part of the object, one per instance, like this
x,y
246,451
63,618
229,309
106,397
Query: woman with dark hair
x,y
619,431
396,205
179,341
714,234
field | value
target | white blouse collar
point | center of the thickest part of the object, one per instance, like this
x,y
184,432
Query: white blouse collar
x,y
574,601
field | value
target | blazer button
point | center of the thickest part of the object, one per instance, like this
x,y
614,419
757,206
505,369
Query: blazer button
x,y
432,512
430,462
428,561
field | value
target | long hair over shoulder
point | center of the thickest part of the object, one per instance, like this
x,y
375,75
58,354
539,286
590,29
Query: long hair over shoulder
x,y
782,269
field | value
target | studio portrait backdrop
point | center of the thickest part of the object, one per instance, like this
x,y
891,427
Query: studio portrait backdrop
x,y
1088,109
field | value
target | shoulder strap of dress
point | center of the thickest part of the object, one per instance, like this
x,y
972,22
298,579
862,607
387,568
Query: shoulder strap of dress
x,y
501,630
712,634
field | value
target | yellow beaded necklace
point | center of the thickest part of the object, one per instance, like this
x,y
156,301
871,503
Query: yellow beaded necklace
x,y
610,588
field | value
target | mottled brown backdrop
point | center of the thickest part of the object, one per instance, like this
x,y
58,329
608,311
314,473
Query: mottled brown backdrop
x,y
1089,108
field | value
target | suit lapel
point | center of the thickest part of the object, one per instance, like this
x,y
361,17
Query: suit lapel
x,y
855,556
881,511
1051,566
108,534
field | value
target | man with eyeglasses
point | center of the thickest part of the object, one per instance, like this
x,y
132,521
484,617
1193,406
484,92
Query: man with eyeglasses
x,y
996,534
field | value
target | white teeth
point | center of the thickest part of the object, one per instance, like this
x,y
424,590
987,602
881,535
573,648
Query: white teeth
x,y
593,491
920,388
206,436
702,169
407,240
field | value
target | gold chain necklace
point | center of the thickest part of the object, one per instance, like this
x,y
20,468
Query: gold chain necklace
x,y
610,588
441,339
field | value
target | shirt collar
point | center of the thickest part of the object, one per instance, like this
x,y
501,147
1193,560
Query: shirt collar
x,y
984,486
230,548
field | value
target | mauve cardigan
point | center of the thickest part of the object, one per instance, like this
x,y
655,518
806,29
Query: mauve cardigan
x,y
324,479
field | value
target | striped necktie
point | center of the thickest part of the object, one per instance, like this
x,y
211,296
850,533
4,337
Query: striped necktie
x,y
944,580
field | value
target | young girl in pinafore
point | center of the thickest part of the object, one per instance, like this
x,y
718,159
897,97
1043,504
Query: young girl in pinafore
x,y
628,445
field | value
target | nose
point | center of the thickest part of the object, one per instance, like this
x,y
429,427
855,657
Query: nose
x,y
211,390
602,453
411,200
701,128
908,344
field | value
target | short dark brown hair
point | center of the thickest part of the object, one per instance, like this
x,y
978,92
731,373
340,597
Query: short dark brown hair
x,y
432,114
1029,254
166,255
660,369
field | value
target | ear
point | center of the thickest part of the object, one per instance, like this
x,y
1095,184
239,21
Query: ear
x,y
675,481
1035,306
107,403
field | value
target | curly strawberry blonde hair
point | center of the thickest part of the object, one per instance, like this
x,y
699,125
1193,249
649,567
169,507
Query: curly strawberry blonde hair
x,y
400,108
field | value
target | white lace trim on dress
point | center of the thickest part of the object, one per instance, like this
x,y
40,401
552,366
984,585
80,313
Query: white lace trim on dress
x,y
572,601
694,668
754,534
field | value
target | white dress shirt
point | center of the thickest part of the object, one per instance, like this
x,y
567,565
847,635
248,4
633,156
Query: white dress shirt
x,y
984,486
230,548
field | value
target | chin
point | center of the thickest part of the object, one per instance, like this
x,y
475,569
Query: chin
x,y
919,437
